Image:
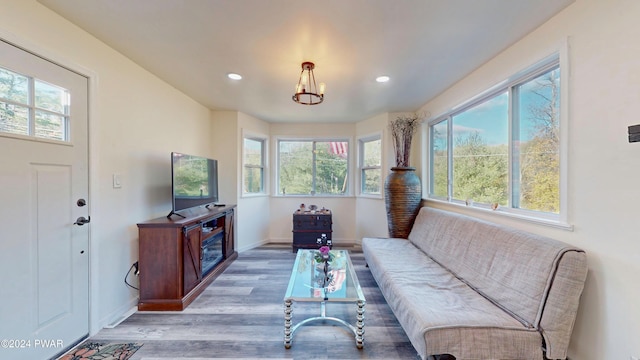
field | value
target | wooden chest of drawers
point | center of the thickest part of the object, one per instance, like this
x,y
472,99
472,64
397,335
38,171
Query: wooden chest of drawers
x,y
308,228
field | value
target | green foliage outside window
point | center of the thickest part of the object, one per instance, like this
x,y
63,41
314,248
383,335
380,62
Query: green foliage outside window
x,y
481,167
312,168
540,153
253,166
371,169
439,160
46,118
480,171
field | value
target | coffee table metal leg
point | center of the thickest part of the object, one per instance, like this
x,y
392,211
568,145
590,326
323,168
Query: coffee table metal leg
x,y
287,323
289,330
360,325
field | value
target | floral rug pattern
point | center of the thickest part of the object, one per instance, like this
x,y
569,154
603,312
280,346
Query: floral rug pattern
x,y
98,351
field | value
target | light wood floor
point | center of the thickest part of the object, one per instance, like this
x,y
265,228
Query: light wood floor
x,y
241,316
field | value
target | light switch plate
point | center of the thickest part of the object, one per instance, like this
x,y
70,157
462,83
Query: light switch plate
x,y
117,181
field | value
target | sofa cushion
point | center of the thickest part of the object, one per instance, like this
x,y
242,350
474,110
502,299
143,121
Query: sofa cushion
x,y
439,312
511,268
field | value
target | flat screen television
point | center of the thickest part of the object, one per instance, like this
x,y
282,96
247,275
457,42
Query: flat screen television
x,y
194,181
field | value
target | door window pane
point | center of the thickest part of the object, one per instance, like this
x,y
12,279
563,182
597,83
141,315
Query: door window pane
x,y
14,119
50,126
14,87
48,118
51,97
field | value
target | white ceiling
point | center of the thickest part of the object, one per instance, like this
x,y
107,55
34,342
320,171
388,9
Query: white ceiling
x,y
425,46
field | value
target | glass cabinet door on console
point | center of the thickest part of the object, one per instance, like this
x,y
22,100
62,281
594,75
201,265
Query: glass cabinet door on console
x,y
211,250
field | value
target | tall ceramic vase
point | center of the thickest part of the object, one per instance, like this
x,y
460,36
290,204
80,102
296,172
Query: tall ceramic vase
x,y
403,195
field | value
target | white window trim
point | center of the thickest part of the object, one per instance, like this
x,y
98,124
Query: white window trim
x,y
360,141
561,220
265,163
276,173
32,109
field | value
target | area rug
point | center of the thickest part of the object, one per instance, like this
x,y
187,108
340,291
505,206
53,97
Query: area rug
x,y
100,351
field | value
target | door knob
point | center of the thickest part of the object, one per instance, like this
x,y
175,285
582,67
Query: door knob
x,y
81,202
82,220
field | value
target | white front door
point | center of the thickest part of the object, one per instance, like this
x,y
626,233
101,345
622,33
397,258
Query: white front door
x,y
44,260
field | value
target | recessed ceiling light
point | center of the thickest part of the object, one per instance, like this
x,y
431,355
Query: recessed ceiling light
x,y
234,76
383,78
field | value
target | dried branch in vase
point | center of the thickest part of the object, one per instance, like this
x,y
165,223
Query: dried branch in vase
x,y
402,130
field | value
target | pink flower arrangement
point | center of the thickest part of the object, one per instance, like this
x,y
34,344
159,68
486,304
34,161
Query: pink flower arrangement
x,y
324,251
324,254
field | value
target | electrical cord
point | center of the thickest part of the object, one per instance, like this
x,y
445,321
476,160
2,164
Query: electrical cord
x,y
134,265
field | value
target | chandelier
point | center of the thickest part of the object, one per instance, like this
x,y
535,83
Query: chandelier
x,y
306,91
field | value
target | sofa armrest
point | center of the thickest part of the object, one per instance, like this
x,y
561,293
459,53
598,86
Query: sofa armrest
x,y
561,306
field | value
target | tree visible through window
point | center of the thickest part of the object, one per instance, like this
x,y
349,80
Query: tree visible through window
x,y
370,165
312,167
538,147
32,107
503,149
481,152
439,160
253,182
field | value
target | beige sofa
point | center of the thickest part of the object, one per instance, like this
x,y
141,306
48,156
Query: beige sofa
x,y
476,290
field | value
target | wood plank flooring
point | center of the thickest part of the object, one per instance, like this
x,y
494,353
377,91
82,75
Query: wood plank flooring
x,y
241,316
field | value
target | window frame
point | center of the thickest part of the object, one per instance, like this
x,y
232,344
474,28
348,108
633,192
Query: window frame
x,y
32,110
362,168
263,139
276,180
560,220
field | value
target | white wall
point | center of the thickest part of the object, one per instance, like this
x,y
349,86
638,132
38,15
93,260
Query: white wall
x,y
603,168
371,213
136,120
371,220
253,210
225,142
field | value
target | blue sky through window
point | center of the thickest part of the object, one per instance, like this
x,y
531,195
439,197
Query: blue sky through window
x,y
490,119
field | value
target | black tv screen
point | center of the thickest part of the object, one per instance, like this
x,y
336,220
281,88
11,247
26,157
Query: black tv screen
x,y
194,181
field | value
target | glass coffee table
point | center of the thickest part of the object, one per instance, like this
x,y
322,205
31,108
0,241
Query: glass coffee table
x,y
309,284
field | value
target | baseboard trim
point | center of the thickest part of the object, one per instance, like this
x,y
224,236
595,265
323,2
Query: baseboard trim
x,y
122,318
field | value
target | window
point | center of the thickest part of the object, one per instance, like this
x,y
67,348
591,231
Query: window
x,y
32,107
313,167
502,149
480,152
253,159
370,165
